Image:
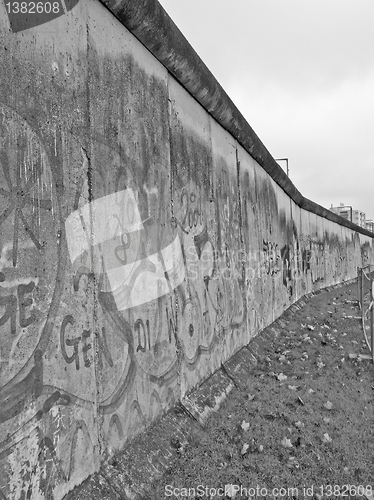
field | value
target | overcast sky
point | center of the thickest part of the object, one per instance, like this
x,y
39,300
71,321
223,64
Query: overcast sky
x,y
302,74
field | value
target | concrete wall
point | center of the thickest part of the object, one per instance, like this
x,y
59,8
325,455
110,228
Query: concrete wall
x,y
141,246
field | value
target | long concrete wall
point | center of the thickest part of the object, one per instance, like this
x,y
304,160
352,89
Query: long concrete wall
x,y
141,245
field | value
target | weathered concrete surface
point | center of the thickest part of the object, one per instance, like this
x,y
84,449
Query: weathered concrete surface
x,y
200,404
141,246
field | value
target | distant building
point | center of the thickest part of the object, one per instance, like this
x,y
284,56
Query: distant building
x,y
342,210
370,225
359,218
346,211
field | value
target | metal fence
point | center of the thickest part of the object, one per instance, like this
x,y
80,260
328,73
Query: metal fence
x,y
366,300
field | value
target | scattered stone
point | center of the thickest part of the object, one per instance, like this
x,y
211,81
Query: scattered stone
x,y
245,425
326,438
328,405
230,490
244,449
286,442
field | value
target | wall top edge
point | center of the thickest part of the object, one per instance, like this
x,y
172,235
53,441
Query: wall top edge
x,y
148,21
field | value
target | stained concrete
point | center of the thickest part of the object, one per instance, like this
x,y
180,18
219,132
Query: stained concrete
x,y
142,246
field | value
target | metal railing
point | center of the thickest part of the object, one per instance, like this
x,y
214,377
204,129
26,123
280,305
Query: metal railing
x,y
366,303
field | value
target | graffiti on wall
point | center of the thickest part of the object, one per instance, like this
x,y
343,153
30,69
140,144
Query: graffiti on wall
x,y
30,269
112,302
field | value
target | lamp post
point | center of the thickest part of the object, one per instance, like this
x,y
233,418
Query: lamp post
x,y
286,160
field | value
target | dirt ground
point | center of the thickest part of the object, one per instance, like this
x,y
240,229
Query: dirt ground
x,y
302,427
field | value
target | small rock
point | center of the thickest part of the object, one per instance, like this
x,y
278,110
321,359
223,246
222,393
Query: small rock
x,y
326,438
230,490
245,425
328,405
244,449
286,442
